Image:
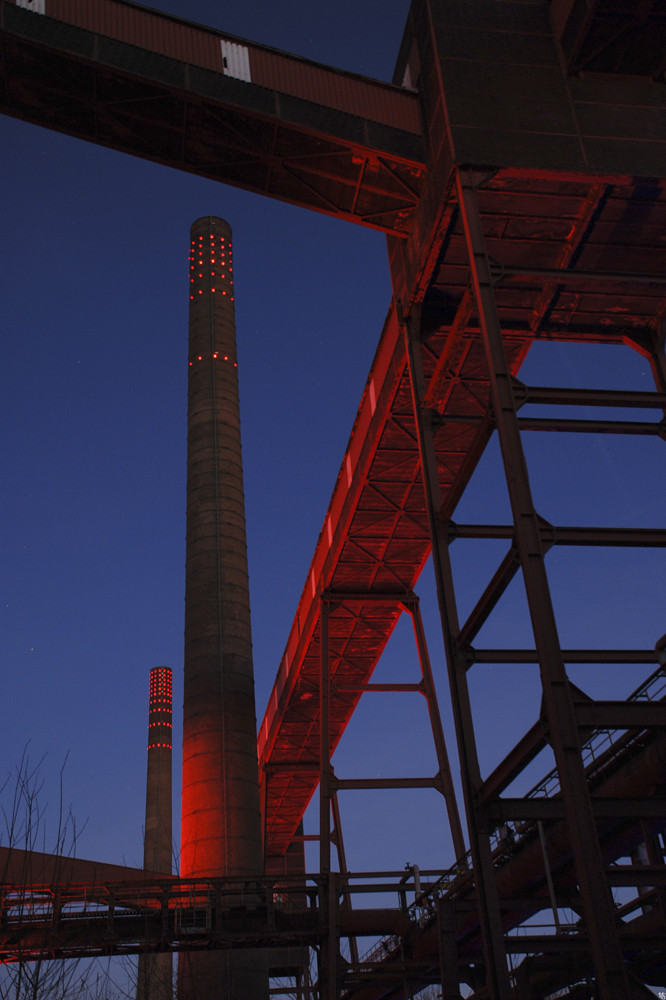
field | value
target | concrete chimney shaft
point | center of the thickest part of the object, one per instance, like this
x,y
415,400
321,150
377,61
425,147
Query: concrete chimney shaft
x,y
221,822
157,844
155,972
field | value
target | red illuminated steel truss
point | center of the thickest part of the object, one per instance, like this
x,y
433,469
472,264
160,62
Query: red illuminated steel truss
x,y
524,200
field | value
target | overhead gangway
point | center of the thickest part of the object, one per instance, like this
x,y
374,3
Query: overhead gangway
x,y
157,86
560,276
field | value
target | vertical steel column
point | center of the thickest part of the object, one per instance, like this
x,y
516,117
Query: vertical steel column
x,y
477,825
344,871
327,890
324,747
652,348
612,983
412,606
448,951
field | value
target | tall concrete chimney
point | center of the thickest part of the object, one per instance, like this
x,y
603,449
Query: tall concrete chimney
x,y
221,824
155,972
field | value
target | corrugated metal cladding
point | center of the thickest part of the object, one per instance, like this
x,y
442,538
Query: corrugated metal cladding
x,y
36,6
154,32
363,98
236,61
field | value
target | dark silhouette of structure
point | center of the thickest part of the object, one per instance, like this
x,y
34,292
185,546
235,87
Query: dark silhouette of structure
x,y
155,972
518,167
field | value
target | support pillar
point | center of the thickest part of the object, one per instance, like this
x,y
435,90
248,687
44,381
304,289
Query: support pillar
x,y
327,885
444,774
448,950
477,824
612,982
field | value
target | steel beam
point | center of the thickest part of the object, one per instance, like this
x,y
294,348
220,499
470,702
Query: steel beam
x,y
489,909
611,976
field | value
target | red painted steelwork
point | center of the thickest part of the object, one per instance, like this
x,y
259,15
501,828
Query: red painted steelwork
x,y
375,535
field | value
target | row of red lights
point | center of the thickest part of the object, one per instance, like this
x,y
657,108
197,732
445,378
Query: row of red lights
x,y
212,240
215,356
160,675
156,746
212,290
167,724
200,244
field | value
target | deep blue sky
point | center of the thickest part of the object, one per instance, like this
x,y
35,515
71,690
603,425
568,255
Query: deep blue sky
x,y
93,396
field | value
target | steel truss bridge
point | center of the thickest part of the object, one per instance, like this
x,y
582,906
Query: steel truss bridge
x,y
518,167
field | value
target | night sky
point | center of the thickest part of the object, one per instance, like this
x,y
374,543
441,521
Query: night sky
x,y
94,288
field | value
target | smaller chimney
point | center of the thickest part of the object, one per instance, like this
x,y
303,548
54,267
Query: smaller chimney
x,y
155,973
157,850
